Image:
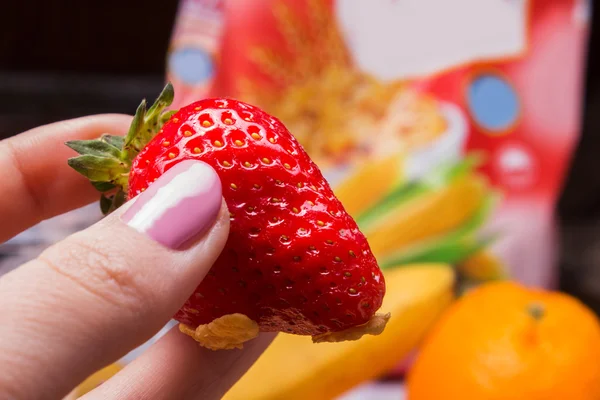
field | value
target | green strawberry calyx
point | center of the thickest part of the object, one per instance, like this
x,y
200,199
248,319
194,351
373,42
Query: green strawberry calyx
x,y
106,161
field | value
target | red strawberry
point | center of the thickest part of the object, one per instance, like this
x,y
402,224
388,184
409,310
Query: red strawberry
x,y
295,261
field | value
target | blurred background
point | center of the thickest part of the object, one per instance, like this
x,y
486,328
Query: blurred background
x,y
66,58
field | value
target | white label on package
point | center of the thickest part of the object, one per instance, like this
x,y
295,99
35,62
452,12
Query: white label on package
x,y
401,39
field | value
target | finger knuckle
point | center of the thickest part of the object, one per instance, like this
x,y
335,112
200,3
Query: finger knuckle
x,y
104,270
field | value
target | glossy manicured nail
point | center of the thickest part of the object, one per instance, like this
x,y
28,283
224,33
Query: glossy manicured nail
x,y
180,205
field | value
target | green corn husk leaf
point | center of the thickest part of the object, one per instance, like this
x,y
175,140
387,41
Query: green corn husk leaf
x,y
450,248
446,252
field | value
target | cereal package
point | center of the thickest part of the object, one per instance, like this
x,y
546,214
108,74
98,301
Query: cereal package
x,y
445,127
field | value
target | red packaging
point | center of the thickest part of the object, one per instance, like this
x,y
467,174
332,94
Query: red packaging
x,y
501,78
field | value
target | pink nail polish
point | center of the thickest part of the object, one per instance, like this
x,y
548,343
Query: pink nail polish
x,y
181,204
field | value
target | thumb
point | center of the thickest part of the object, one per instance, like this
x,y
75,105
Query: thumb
x,y
91,298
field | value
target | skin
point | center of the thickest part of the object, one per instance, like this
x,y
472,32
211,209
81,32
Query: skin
x,y
88,300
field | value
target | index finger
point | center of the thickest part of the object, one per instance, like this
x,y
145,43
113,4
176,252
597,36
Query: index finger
x,y
35,178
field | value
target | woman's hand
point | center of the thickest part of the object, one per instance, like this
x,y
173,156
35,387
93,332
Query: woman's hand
x,y
90,299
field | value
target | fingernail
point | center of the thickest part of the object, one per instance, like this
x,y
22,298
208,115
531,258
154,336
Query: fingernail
x,y
179,205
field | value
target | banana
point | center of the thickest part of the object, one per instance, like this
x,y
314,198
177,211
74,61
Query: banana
x,y
94,380
295,368
482,266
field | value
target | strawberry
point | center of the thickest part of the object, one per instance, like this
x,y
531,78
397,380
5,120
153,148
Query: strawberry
x,y
295,261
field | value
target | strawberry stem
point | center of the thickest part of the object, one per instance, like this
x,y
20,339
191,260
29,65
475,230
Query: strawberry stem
x,y
147,123
106,161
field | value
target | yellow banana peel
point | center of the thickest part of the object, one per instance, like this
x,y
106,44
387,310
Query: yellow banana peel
x,y
95,380
427,216
369,183
295,368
